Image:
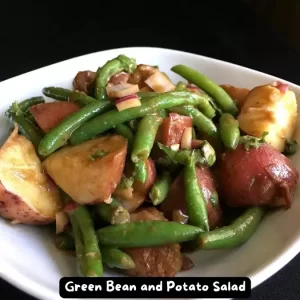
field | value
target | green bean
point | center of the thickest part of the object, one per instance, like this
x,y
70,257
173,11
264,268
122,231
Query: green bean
x,y
145,137
234,234
92,254
64,242
146,234
33,133
126,132
114,117
22,107
140,171
167,163
59,135
229,131
116,258
203,123
133,124
195,202
114,66
183,156
62,94
207,85
113,213
160,189
79,245
194,137
163,113
147,95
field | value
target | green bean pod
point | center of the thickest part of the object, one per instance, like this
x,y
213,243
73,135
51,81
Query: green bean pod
x,y
160,189
34,134
181,86
146,234
114,66
114,117
22,107
203,123
126,132
235,234
92,254
113,213
62,94
147,95
195,201
140,171
207,85
116,258
59,135
145,137
229,131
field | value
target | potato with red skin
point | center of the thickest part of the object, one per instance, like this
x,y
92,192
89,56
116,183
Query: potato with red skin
x,y
238,95
171,130
258,176
161,261
119,78
175,200
49,115
89,172
84,81
133,197
27,194
141,73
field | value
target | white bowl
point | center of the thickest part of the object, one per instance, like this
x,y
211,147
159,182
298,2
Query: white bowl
x,y
28,257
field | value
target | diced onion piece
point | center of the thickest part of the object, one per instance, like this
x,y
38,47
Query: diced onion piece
x,y
186,141
62,221
159,82
128,102
175,147
195,144
108,200
121,90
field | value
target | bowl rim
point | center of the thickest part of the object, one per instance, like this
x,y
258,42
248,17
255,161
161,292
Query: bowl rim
x,y
266,271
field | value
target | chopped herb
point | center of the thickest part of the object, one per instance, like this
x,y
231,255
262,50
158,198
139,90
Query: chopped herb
x,y
126,182
291,147
252,141
98,154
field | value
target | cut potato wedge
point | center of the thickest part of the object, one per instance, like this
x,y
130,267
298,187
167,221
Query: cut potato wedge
x,y
269,108
27,194
90,172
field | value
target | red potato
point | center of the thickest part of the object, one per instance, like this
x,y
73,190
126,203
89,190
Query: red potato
x,y
175,200
258,176
49,115
119,78
84,81
90,172
27,195
172,129
133,197
158,261
141,73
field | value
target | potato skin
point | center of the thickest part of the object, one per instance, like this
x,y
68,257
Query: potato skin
x,y
176,197
161,261
85,180
27,194
258,176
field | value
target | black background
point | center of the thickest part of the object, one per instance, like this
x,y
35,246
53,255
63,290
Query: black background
x,y
34,34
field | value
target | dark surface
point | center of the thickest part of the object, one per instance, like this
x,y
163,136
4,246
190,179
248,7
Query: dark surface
x,y
41,34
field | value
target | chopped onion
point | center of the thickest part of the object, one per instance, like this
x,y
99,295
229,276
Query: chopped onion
x,y
108,200
128,102
121,90
186,141
159,82
62,221
175,147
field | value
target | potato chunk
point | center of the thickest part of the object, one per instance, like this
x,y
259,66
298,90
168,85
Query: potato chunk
x,y
90,172
270,108
27,194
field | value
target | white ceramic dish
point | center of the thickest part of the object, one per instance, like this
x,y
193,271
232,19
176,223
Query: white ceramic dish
x,y
28,257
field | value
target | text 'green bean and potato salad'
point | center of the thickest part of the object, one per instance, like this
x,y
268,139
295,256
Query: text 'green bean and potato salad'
x,y
135,170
